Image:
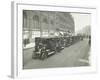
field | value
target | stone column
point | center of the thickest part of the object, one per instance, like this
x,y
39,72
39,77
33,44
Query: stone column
x,y
29,25
40,23
48,24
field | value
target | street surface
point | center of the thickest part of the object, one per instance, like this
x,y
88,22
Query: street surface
x,y
75,55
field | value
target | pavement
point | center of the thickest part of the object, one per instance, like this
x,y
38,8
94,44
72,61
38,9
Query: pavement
x,y
76,55
30,45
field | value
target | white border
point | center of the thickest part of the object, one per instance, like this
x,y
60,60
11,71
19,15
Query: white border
x,y
17,70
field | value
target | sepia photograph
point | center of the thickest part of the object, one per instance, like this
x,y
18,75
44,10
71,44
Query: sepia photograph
x,y
55,39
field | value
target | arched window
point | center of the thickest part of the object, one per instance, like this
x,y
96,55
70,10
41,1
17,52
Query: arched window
x,y
36,17
24,14
24,19
36,25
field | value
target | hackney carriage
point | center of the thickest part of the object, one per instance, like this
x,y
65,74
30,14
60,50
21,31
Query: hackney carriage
x,y
46,46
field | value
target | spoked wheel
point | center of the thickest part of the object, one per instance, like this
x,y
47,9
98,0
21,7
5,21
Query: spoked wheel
x,y
44,55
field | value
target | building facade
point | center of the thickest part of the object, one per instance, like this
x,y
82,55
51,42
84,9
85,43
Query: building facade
x,y
46,23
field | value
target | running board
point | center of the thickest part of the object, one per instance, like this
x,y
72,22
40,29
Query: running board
x,y
51,52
